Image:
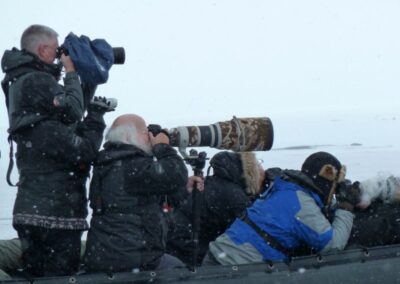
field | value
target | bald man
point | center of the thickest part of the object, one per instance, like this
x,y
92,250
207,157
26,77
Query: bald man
x,y
130,175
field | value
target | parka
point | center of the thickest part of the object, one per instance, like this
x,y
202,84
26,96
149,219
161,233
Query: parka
x,y
291,213
128,230
228,192
54,147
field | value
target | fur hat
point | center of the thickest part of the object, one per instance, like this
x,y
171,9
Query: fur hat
x,y
325,170
241,167
250,172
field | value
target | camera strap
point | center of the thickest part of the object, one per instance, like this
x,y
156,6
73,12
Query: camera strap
x,y
11,162
271,241
5,85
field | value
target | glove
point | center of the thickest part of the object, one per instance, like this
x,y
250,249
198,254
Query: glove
x,y
102,104
348,194
156,129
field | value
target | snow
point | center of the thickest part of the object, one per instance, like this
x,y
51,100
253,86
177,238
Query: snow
x,y
325,72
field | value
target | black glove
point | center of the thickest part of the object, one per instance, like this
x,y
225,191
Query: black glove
x,y
348,194
102,104
156,129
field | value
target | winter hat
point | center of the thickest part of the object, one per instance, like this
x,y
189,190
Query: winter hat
x,y
326,172
251,173
241,167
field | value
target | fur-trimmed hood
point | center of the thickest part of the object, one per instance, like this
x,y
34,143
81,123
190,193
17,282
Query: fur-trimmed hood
x,y
241,168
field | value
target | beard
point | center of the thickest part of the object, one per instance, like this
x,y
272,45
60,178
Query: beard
x,y
147,148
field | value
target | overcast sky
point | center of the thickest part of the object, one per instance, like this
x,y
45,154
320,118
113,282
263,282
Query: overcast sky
x,y
198,62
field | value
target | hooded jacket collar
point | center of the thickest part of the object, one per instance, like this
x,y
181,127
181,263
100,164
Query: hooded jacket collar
x,y
117,151
16,59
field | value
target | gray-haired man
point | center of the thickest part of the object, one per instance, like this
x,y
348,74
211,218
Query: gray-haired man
x,y
55,149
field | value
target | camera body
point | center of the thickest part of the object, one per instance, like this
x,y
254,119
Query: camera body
x,y
60,51
346,185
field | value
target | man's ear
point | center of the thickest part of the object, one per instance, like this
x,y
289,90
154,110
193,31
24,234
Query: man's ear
x,y
41,51
328,172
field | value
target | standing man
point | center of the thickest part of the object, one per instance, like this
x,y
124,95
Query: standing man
x,y
31,82
130,175
54,152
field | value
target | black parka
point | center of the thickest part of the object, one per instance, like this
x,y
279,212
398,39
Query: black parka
x,y
227,193
30,87
54,148
127,227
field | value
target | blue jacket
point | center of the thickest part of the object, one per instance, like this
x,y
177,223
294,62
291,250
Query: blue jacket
x,y
292,215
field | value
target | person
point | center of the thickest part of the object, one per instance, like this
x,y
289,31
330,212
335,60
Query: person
x,y
127,229
31,81
237,178
377,216
54,151
384,187
291,213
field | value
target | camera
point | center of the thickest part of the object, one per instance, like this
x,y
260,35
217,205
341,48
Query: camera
x,y
60,51
118,53
92,58
237,134
344,186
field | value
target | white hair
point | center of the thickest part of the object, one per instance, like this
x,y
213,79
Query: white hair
x,y
34,35
127,133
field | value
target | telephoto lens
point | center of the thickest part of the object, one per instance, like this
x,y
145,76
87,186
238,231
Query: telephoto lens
x,y
238,134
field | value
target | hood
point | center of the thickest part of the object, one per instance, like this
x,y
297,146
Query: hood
x,y
302,179
117,151
15,59
240,168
